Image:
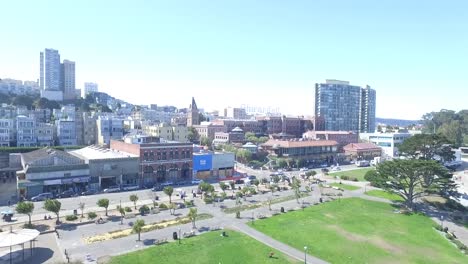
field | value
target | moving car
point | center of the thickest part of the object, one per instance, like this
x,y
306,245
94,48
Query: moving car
x,y
42,197
112,189
130,187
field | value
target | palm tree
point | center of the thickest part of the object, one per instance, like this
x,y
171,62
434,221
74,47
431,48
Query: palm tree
x,y
168,191
134,199
192,215
138,227
122,213
82,207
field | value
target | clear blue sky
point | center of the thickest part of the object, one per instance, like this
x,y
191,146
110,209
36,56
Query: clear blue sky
x,y
228,53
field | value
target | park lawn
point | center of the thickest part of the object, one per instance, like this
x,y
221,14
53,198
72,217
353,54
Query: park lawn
x,y
385,195
207,248
345,186
358,173
354,230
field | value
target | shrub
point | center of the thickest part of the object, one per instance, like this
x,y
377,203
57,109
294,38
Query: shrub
x,y
189,203
459,244
128,209
345,177
445,229
155,204
92,215
208,200
144,209
449,236
71,217
439,227
162,206
354,179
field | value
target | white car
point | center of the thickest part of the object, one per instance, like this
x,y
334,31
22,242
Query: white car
x,y
337,168
196,181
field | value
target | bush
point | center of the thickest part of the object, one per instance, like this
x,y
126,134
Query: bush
x,y
449,236
162,206
128,209
189,203
71,217
439,227
208,200
445,229
155,204
144,209
92,215
459,244
354,179
345,177
27,225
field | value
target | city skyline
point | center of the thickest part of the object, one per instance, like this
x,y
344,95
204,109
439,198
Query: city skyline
x,y
407,52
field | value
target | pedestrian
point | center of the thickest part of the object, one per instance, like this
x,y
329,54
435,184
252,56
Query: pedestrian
x,y
9,203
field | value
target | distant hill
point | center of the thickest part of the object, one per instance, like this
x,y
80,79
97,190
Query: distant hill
x,y
396,122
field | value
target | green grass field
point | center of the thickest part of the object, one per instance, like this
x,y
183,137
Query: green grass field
x,y
207,248
345,186
358,174
385,195
359,231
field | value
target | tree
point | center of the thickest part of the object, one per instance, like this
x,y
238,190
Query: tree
x,y
427,147
172,208
238,203
103,203
169,190
296,185
23,100
300,163
256,183
192,215
275,178
282,163
138,227
223,186
206,187
232,184
272,188
262,140
134,199
374,178
206,141
54,207
249,135
193,135
244,155
122,213
26,208
411,179
81,205
244,191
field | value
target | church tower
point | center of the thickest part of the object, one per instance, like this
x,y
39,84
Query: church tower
x,y
193,115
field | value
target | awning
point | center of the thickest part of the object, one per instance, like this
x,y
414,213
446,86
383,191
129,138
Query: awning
x,y
17,237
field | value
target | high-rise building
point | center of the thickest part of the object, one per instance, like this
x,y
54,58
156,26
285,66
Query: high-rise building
x,y
67,79
345,107
193,114
50,70
90,87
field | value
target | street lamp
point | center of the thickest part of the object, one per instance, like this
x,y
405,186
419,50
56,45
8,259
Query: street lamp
x,y
305,254
442,221
179,236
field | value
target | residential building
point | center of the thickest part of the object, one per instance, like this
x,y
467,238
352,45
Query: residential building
x,y
193,114
66,132
7,132
235,113
90,87
159,161
345,107
343,138
77,93
50,170
10,86
67,79
252,126
208,130
50,75
25,131
235,136
362,151
389,142
79,127
167,132
89,129
314,151
180,134
109,167
41,115
9,164
108,128
45,134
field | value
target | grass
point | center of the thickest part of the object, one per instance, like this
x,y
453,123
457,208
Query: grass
x,y
244,207
359,231
385,195
358,173
345,186
207,248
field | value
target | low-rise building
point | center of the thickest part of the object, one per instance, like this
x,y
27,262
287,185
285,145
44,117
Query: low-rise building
x,y
25,131
362,151
50,170
208,129
251,147
45,134
235,136
343,138
108,128
313,151
66,132
109,167
167,132
159,161
389,142
209,165
7,132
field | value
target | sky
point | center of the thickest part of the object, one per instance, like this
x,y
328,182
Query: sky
x,y
262,53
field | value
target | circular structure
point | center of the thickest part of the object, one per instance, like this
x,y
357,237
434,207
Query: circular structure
x,y
17,237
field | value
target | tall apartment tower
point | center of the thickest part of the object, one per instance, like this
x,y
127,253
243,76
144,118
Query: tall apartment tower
x,y
50,70
193,115
67,79
345,107
90,87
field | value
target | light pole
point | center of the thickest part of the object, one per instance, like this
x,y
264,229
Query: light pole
x,y
305,254
442,222
179,236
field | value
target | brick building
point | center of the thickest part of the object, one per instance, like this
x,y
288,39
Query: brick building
x,y
313,151
160,161
343,138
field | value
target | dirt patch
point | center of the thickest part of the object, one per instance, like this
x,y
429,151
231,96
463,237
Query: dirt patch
x,y
329,216
377,241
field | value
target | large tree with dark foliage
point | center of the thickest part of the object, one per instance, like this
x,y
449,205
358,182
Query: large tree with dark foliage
x,y
427,147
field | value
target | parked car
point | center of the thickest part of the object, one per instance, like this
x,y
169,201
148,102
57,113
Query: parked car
x,y
130,187
112,189
42,197
252,177
66,194
157,188
164,184
336,168
89,192
196,181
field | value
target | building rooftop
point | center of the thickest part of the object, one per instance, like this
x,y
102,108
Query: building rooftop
x,y
42,153
99,153
330,132
361,146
